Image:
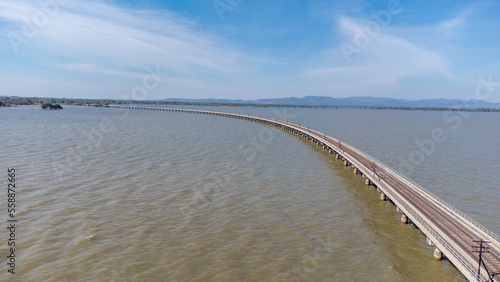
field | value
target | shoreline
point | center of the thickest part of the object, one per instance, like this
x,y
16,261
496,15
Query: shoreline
x,y
21,101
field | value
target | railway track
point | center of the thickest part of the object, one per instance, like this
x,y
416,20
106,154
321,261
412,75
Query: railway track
x,y
451,230
452,227
454,230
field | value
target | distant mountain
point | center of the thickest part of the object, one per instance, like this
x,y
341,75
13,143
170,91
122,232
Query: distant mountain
x,y
352,102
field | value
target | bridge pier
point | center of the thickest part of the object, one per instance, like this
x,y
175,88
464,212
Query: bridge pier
x,y
404,219
438,255
453,251
337,157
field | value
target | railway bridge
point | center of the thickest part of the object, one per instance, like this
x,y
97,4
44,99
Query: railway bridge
x,y
455,235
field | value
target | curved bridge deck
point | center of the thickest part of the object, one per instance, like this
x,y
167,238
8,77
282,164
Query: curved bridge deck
x,y
451,231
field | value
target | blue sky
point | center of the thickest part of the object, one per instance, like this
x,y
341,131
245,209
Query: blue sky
x,y
244,49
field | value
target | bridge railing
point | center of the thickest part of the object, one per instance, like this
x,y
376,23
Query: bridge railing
x,y
443,202
393,172
417,219
424,225
404,178
401,176
431,194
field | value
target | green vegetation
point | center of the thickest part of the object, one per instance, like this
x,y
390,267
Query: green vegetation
x,y
49,106
15,101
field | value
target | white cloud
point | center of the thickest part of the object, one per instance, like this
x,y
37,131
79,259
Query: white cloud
x,y
125,39
382,62
448,28
15,10
108,47
99,38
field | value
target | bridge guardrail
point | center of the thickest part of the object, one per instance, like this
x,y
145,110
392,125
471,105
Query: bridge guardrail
x,y
392,195
397,174
422,224
434,196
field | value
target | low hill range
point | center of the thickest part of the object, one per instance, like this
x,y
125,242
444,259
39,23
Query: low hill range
x,y
371,102
308,101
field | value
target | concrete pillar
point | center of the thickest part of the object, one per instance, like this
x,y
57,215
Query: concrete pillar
x,y
368,182
382,197
438,255
429,242
337,157
404,218
346,163
356,171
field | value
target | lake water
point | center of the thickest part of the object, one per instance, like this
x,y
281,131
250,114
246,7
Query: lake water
x,y
134,195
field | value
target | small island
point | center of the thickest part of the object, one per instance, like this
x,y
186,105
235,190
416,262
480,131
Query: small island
x,y
49,106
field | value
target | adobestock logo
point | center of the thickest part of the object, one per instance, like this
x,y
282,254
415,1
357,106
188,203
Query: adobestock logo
x,y
223,6
363,37
47,10
452,120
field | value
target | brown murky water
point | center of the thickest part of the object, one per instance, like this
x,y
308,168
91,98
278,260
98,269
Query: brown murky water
x,y
108,195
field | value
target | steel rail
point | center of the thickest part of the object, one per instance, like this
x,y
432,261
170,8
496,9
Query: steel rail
x,y
415,193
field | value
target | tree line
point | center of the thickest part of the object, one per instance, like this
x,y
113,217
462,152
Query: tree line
x,y
15,101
